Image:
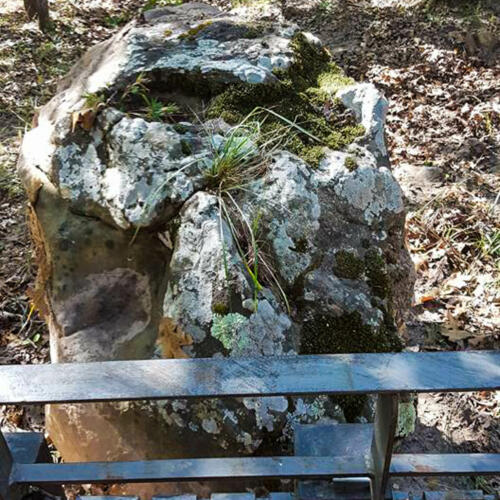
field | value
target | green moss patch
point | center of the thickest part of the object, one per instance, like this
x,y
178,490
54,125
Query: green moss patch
x,y
220,308
327,334
347,265
302,95
191,33
186,147
350,163
225,31
376,273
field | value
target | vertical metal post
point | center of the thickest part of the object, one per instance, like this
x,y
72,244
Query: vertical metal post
x,y
6,463
384,430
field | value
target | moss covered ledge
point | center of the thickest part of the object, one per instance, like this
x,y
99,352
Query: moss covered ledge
x,y
304,94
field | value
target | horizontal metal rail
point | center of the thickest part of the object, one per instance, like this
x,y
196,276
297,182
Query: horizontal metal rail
x,y
260,376
189,470
251,468
384,374
459,464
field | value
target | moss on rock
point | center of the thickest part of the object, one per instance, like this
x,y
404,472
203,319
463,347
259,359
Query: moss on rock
x,y
220,308
312,155
376,273
300,96
191,33
186,147
347,265
350,163
348,333
333,80
180,128
224,30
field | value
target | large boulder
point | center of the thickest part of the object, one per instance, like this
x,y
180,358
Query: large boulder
x,y
173,219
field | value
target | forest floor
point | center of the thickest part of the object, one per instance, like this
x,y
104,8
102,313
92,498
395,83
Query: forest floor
x,y
438,64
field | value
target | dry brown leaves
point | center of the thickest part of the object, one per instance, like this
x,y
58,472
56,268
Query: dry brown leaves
x,y
171,339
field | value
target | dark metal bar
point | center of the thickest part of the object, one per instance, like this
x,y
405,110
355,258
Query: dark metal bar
x,y
264,376
384,430
27,447
454,495
328,439
459,464
188,470
31,448
5,468
114,497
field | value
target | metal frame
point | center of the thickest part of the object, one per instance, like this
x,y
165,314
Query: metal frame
x,y
6,463
382,374
384,431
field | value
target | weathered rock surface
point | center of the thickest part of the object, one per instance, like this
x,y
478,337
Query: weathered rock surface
x,y
142,255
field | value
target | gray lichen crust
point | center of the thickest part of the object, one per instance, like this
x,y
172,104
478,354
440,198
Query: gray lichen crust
x,y
146,250
127,176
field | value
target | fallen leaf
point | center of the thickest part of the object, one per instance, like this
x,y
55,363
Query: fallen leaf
x,y
432,294
171,339
84,117
452,328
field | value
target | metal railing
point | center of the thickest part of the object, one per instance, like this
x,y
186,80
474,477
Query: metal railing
x,y
387,375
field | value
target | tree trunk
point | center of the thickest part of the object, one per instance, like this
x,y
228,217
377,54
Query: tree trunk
x,y
40,9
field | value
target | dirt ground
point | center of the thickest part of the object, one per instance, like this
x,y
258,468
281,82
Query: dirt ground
x,y
438,64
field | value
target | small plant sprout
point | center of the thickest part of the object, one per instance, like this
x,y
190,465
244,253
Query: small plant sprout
x,y
157,110
138,87
115,21
245,233
234,159
489,244
93,100
243,153
250,259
